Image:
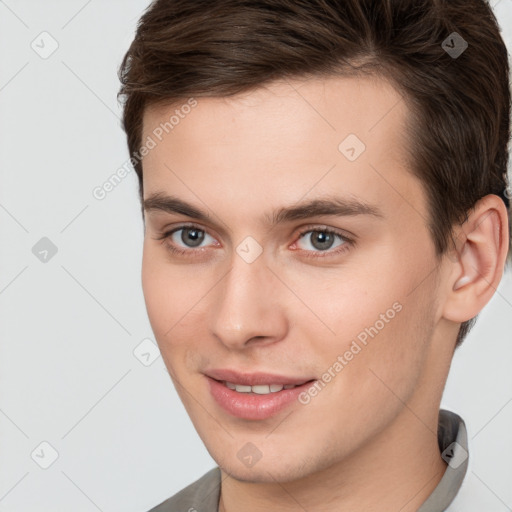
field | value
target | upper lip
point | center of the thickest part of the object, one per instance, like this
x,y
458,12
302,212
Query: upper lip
x,y
254,379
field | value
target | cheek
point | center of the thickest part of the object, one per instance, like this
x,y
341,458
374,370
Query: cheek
x,y
162,287
378,318
348,302
155,288
175,298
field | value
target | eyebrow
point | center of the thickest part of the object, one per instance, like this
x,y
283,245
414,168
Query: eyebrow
x,y
330,206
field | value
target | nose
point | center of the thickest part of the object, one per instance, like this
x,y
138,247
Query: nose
x,y
250,306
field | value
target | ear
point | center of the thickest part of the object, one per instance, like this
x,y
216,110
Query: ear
x,y
478,259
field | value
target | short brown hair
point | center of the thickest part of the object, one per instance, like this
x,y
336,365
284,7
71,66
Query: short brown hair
x,y
460,104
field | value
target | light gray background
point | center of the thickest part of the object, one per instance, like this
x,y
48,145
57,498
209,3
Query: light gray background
x,y
69,327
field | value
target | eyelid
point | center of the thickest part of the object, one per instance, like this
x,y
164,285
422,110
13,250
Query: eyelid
x,y
349,237
166,233
305,229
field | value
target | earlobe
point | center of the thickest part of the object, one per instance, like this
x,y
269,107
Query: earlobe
x,y
480,260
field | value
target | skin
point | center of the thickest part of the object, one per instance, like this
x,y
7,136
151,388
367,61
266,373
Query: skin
x,y
373,427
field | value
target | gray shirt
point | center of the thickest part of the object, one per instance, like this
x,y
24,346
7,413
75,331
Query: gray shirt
x,y
203,494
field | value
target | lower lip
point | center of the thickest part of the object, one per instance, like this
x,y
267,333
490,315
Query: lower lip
x,y
251,406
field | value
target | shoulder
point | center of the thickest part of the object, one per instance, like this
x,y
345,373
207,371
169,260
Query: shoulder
x,y
201,495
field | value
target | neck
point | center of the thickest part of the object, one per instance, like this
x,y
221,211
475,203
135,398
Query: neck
x,y
396,470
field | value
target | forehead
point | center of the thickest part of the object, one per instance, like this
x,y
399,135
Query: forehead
x,y
282,141
336,104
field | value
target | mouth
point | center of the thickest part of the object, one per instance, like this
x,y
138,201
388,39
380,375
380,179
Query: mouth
x,y
255,396
257,381
260,389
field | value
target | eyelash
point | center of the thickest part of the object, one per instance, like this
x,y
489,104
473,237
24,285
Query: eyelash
x,y
311,254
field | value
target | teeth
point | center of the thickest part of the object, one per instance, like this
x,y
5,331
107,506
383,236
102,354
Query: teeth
x,y
262,389
243,389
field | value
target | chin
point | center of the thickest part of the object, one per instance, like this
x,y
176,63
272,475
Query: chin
x,y
280,469
264,473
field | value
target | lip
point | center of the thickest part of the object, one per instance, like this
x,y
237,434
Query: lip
x,y
254,379
252,406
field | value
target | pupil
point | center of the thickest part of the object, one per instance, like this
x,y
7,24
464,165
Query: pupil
x,y
194,238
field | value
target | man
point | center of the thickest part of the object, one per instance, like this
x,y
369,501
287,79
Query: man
x,y
324,192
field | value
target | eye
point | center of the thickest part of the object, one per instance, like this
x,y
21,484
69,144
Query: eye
x,y
188,240
184,239
322,240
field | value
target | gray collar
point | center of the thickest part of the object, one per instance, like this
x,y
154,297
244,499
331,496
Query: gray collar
x,y
453,443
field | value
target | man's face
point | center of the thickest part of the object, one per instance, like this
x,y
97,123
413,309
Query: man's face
x,y
252,295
